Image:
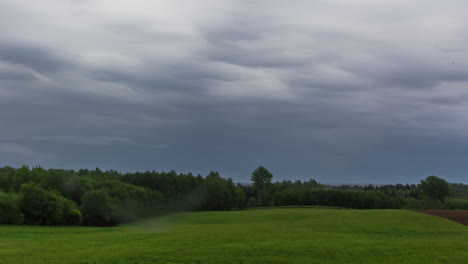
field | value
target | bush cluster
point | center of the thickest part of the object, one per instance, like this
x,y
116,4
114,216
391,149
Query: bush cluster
x,y
37,196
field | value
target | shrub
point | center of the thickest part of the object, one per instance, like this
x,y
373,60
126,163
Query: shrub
x,y
73,217
43,207
99,209
10,210
454,203
434,188
412,203
429,203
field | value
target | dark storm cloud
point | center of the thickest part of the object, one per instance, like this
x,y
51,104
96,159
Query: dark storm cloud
x,y
336,91
39,59
13,75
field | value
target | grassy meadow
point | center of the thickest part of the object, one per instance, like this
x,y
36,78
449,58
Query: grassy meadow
x,y
279,235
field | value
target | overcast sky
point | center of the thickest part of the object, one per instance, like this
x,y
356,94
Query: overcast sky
x,y
338,91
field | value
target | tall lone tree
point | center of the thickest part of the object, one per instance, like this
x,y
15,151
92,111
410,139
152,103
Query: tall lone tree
x,y
435,188
261,178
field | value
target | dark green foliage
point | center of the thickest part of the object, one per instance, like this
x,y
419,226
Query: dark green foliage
x,y
43,207
261,179
249,194
435,188
50,196
10,211
412,203
95,197
7,178
220,194
131,202
357,196
188,192
215,193
99,209
458,190
456,203
38,205
336,198
72,217
169,184
239,197
429,203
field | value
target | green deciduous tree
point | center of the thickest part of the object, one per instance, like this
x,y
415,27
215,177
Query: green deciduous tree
x,y
98,208
261,179
434,188
44,207
10,211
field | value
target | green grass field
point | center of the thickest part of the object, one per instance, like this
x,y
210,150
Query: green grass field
x,y
281,235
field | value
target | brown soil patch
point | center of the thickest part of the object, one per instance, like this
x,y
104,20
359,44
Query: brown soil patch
x,y
454,215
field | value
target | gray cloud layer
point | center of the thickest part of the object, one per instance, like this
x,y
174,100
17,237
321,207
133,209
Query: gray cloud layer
x,y
338,91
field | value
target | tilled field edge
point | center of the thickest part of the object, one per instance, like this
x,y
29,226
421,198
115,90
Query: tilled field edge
x,y
458,216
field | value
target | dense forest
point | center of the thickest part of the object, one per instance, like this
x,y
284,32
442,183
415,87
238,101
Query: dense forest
x,y
38,196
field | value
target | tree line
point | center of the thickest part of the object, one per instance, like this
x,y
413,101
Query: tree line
x,y
38,196
433,192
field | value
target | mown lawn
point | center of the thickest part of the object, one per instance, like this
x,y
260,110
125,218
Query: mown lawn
x,y
280,235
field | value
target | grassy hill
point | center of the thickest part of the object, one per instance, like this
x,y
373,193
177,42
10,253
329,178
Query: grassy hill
x,y
280,235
